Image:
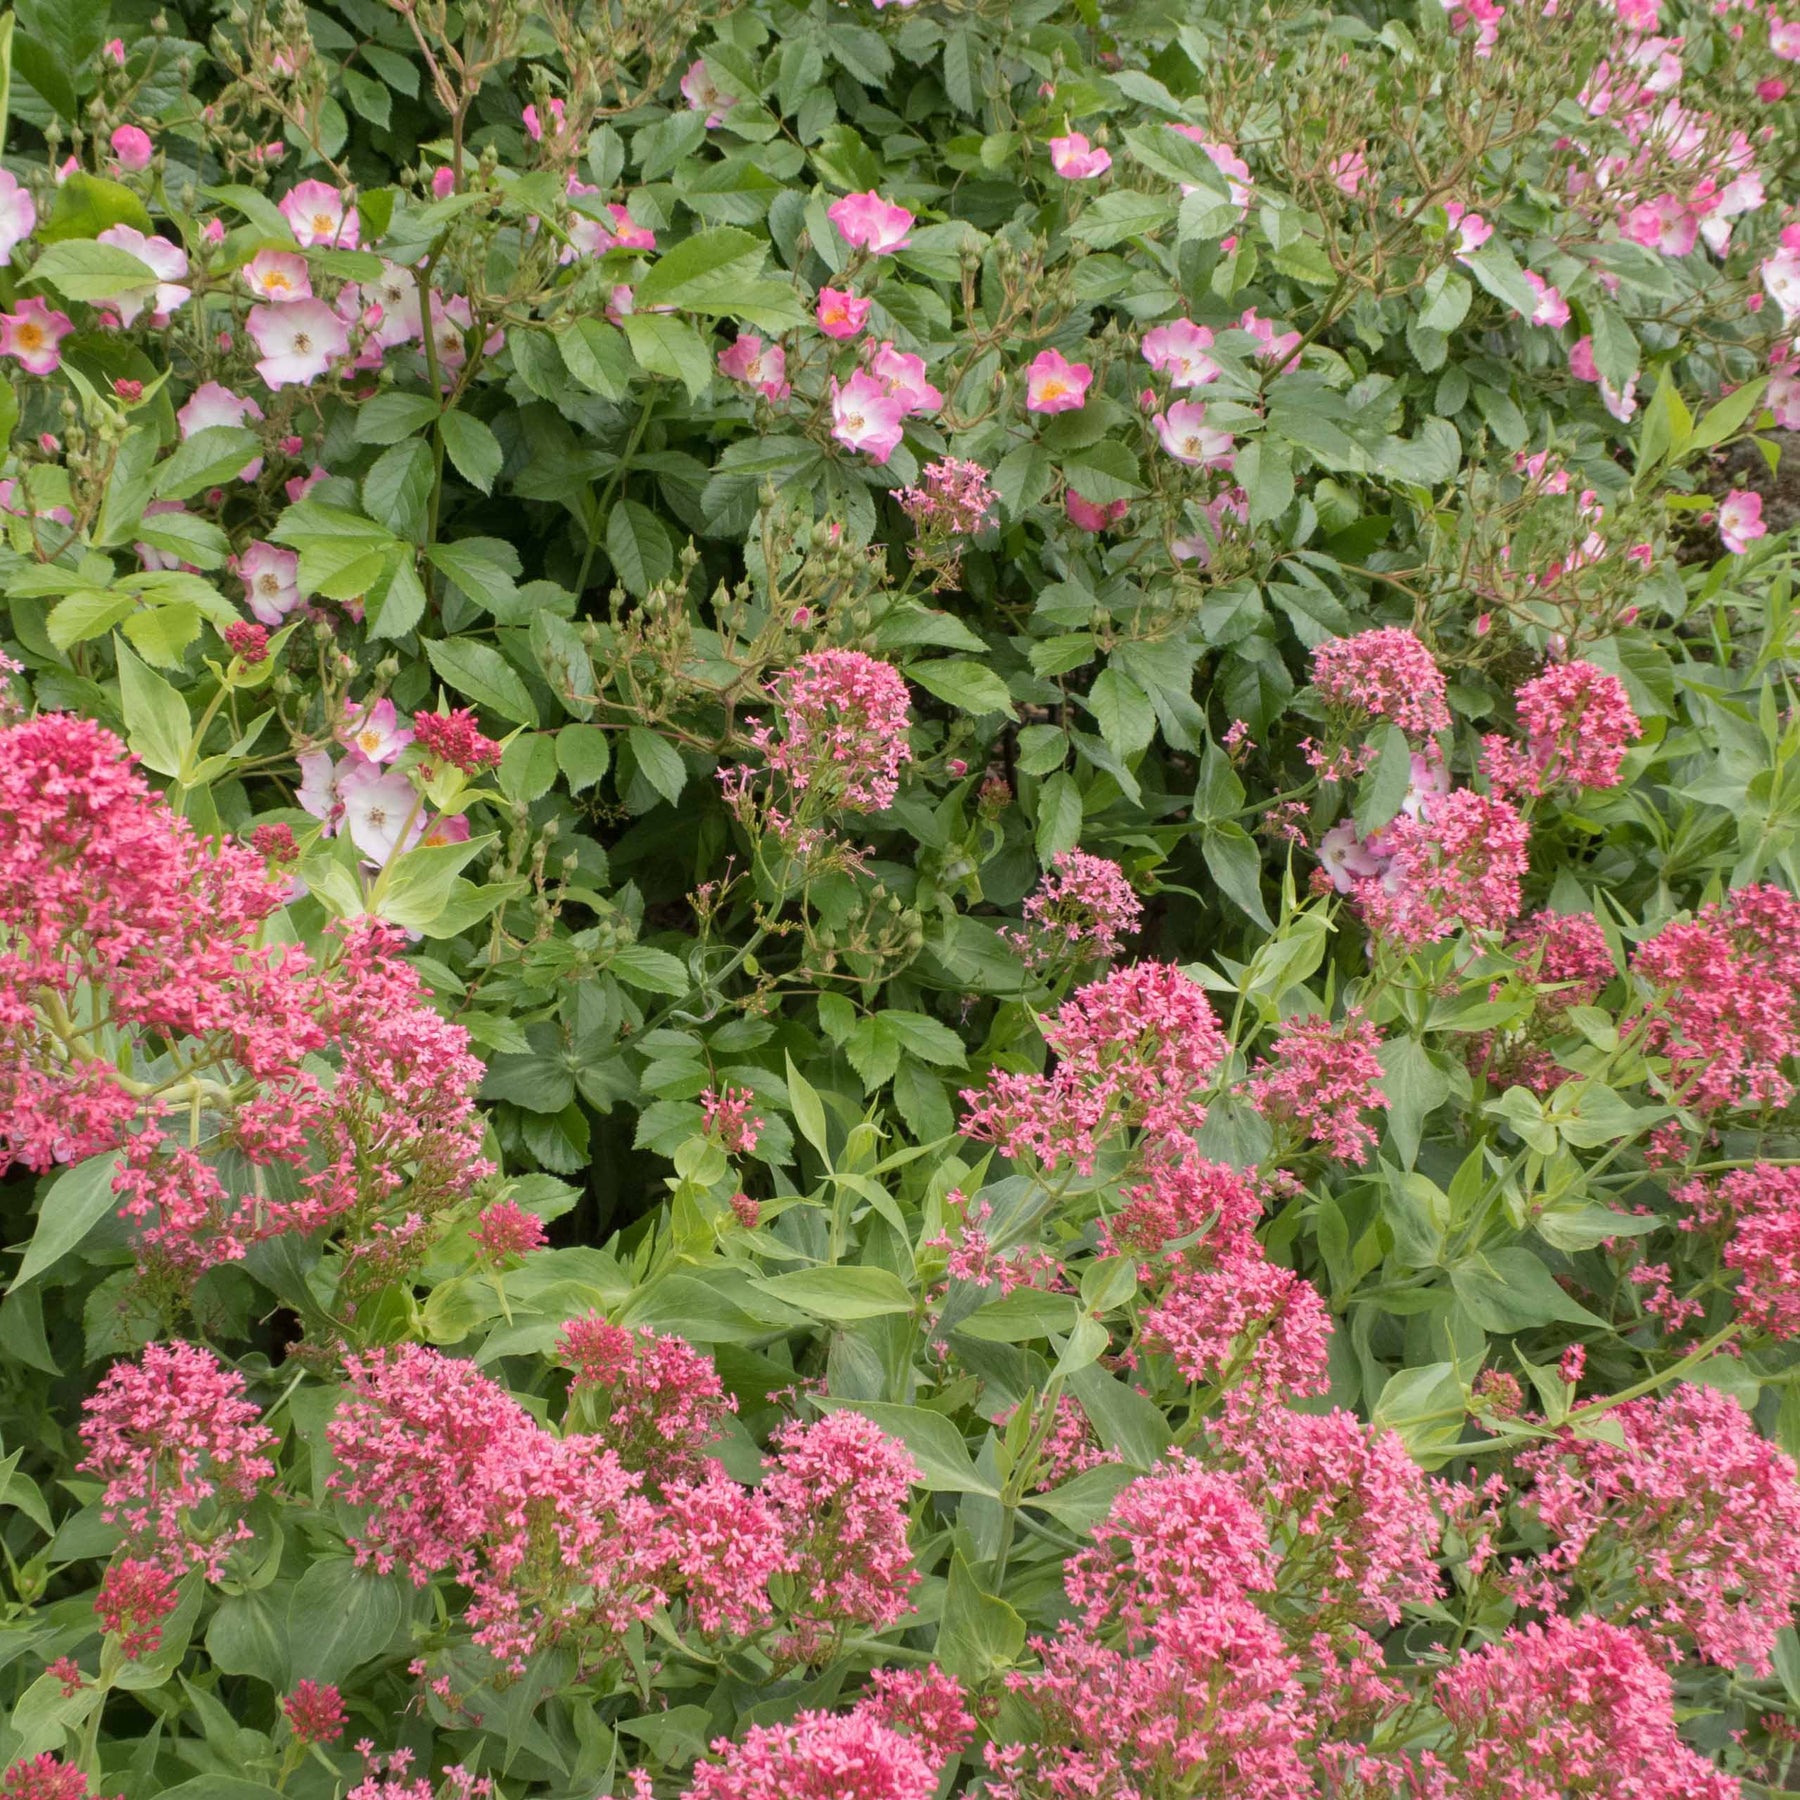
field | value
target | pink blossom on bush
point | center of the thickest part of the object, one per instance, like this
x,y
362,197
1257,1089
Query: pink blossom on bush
x,y
1075,159
1322,1076
33,336
18,214
756,364
1055,385
1178,350
866,416
1740,521
841,314
868,222
318,214
1188,438
132,148
299,340
844,719
1462,865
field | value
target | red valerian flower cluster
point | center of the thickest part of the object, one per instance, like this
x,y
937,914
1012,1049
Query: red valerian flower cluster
x,y
1579,723
1320,1077
1384,674
1078,913
121,923
559,1541
1460,864
1134,1050
1758,1211
842,732
1725,1008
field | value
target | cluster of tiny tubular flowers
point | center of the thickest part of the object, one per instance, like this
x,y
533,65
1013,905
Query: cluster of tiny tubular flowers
x,y
1725,1008
1078,913
1386,673
559,1540
454,738
182,1452
1758,1212
1170,1678
120,919
1689,1528
844,719
954,499
657,1401
1134,1050
1462,864
1570,1708
1579,723
506,1230
315,1712
730,1120
890,1746
44,1777
1320,1077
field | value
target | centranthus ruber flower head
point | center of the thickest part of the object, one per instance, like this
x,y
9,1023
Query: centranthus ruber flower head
x,y
1320,1077
1078,913
1758,1210
1053,384
842,734
181,1451
1689,1528
1570,1708
819,1756
454,738
868,222
840,1489
44,1777
1579,724
1461,865
954,499
1135,1049
505,1231
315,1712
655,1401
1384,674
730,1120
1725,1004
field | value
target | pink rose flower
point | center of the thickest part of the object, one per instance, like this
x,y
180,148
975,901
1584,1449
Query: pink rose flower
x,y
841,314
1055,385
132,148
1740,521
1178,350
317,214
1189,439
758,365
1075,159
298,341
278,275
33,336
868,222
18,214
866,416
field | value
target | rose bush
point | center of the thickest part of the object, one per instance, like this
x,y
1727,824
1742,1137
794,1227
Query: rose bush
x,y
899,900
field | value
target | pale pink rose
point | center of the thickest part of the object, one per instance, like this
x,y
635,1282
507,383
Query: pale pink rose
x,y
1740,521
1468,230
868,222
446,828
396,291
1227,161
1551,309
866,416
1784,39
1178,350
382,812
318,214
1277,346
1055,385
758,365
1349,171
33,336
271,578
1075,159
213,231
375,731
299,340
1345,859
1783,398
902,375
1091,515
841,314
703,94
278,275
132,148
1781,278
1189,439
18,215
317,792
1665,225
211,404
167,262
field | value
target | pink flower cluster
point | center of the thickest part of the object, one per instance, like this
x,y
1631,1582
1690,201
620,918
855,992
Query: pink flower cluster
x,y
557,1540
1688,1527
1579,723
116,914
1320,1077
844,720
1133,1051
954,500
181,1452
1384,674
1725,1009
1759,1208
889,1746
654,1400
1460,865
1171,1678
730,1120
1570,1707
1078,913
